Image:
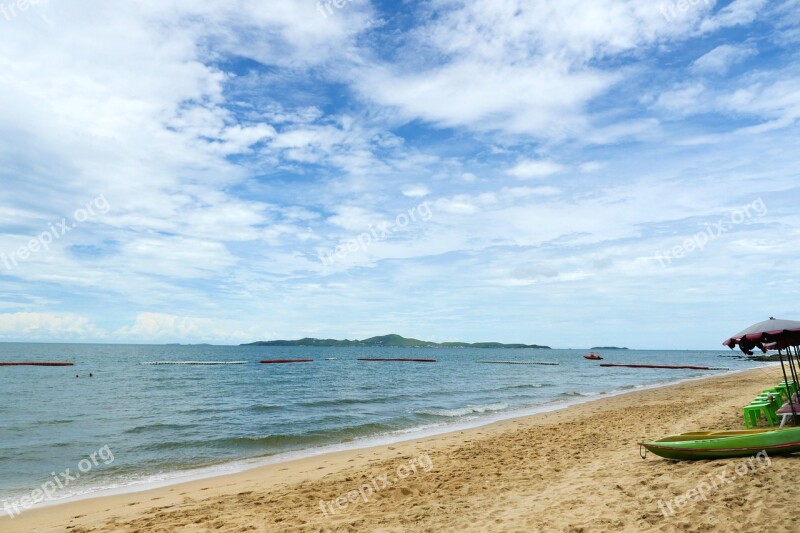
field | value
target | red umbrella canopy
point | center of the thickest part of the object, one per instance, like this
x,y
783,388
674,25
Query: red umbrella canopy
x,y
781,333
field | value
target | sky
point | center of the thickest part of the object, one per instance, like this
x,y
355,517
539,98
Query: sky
x,y
563,172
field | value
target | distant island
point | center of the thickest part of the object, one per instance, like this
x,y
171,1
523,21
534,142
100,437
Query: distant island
x,y
608,348
391,341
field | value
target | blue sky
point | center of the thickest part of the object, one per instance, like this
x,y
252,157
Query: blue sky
x,y
570,173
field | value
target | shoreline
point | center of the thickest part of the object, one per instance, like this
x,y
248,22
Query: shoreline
x,y
309,467
239,466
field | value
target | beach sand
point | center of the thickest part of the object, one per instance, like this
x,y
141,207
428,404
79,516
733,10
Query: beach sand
x,y
573,470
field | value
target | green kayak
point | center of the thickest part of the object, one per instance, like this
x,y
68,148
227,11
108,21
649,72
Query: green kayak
x,y
722,444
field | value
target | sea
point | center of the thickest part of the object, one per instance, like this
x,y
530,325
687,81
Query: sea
x,y
133,426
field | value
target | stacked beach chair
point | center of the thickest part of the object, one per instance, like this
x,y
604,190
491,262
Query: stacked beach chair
x,y
767,404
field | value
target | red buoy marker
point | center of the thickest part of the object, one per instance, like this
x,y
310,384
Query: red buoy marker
x,y
37,364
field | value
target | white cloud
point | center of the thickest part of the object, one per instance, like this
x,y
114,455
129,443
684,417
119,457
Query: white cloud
x,y
416,191
721,58
162,327
522,192
354,218
538,98
520,67
460,205
533,169
591,166
770,99
737,13
683,99
37,325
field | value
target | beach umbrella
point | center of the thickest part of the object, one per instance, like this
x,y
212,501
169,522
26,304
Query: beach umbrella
x,y
773,334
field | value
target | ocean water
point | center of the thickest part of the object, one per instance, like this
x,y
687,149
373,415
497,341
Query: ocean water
x,y
162,421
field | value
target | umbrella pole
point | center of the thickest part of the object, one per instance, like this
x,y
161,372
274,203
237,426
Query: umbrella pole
x,y
793,371
796,374
791,397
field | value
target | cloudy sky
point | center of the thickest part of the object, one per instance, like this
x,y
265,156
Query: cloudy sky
x,y
562,172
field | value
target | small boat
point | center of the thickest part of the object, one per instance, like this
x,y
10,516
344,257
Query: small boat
x,y
592,356
724,444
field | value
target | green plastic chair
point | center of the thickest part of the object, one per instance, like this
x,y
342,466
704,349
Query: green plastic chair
x,y
775,404
777,397
790,384
752,414
781,391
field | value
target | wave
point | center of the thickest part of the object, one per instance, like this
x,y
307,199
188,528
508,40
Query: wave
x,y
278,442
576,394
526,386
263,408
61,421
349,401
464,411
208,410
158,427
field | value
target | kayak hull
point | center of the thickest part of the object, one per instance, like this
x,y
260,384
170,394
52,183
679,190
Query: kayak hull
x,y
724,444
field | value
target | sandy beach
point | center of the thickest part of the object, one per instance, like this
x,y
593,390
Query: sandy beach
x,y
572,470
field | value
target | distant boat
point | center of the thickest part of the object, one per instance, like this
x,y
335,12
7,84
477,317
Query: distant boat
x,y
593,356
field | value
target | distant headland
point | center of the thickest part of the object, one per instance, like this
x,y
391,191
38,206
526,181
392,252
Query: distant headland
x,y
392,341
608,348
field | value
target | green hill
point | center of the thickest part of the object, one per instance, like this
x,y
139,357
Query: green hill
x,y
392,341
608,348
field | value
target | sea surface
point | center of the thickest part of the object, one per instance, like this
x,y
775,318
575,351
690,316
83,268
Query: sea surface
x,y
159,422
